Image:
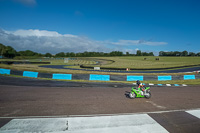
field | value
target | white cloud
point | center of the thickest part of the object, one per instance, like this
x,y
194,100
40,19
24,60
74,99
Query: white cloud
x,y
138,42
38,33
44,41
49,41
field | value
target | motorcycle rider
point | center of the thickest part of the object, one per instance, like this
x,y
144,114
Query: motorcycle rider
x,y
140,86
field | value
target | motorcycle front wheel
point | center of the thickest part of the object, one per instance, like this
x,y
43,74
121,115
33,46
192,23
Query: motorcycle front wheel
x,y
132,95
148,95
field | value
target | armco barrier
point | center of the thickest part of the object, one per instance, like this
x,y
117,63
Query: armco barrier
x,y
100,77
186,77
164,78
134,78
4,71
30,74
62,76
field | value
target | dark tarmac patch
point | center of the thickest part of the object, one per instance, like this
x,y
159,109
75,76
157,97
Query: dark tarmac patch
x,y
4,121
177,122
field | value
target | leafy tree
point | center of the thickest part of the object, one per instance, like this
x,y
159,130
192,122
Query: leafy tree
x,y
161,53
10,52
198,54
27,53
184,53
48,55
177,53
191,54
61,54
116,53
139,53
145,54
72,54
127,54
151,54
2,49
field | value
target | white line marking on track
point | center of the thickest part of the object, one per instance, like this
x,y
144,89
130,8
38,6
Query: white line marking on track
x,y
156,105
13,112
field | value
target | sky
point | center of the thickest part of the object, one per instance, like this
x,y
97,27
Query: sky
x,y
100,25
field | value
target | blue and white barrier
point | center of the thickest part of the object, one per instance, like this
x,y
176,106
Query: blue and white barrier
x,y
4,71
134,78
62,76
30,74
176,85
161,78
187,77
100,77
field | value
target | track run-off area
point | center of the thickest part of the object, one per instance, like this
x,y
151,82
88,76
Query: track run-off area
x,y
95,108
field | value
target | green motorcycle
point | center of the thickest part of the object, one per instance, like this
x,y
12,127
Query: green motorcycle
x,y
140,92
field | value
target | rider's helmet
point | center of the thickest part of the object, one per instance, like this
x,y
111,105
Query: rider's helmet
x,y
138,82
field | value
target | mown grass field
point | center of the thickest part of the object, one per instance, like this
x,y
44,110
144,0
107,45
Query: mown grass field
x,y
150,62
60,61
119,62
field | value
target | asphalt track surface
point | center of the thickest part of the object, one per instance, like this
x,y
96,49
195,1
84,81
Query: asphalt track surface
x,y
181,70
23,99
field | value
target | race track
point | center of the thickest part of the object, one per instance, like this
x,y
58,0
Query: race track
x,y
48,101
26,101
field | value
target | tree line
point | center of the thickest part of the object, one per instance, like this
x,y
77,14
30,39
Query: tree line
x,y
102,54
10,52
177,53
